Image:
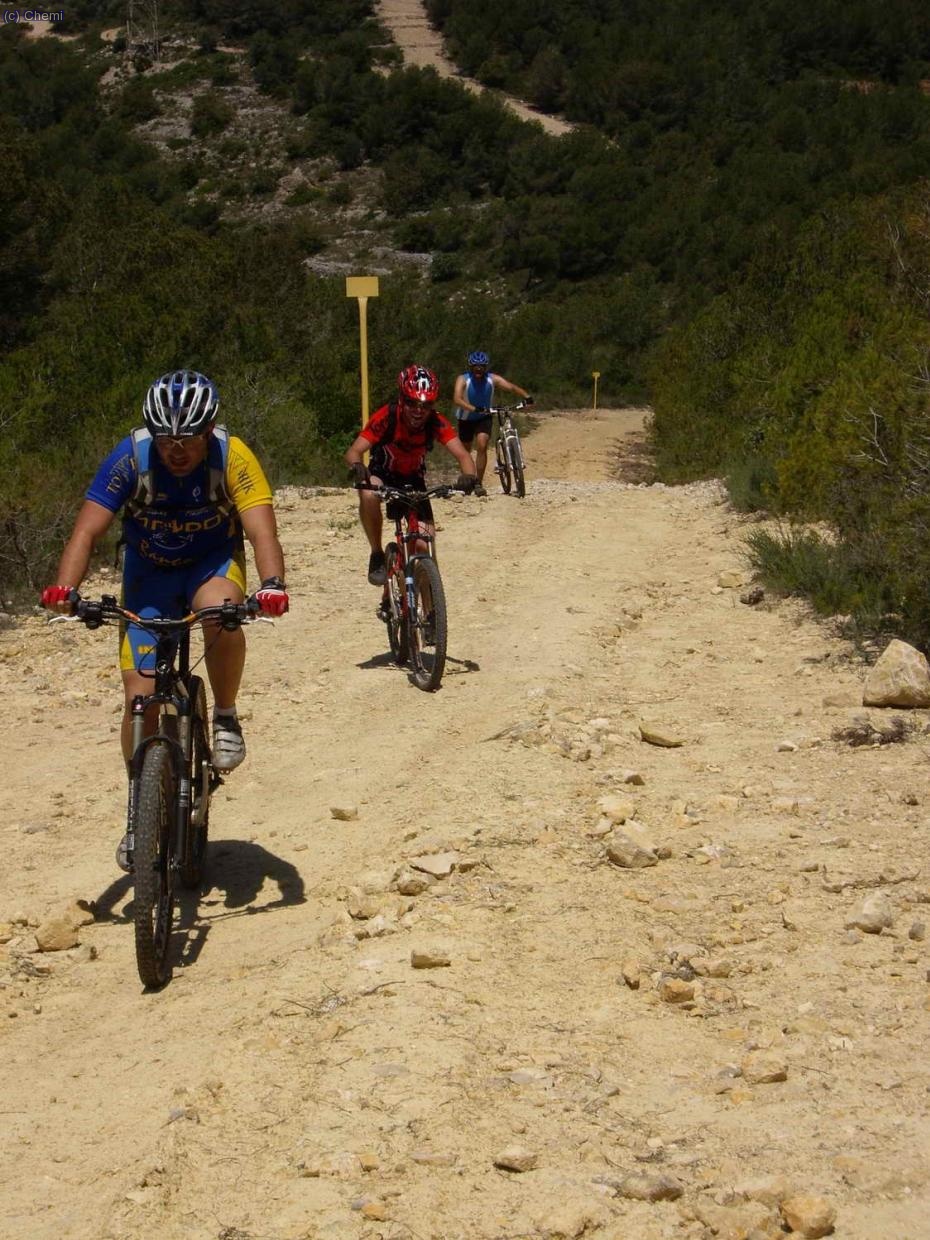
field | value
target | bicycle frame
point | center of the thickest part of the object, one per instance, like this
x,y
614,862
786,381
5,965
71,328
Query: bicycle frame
x,y
171,692
510,467
406,557
413,604
172,674
167,822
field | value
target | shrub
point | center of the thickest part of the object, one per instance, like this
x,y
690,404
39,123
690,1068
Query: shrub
x,y
837,577
210,114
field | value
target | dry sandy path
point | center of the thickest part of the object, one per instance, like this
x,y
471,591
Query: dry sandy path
x,y
298,1078
422,46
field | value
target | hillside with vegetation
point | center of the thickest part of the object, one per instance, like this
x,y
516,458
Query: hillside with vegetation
x,y
735,231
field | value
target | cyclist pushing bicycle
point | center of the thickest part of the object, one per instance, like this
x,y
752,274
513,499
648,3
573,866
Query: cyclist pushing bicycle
x,y
474,396
399,435
188,492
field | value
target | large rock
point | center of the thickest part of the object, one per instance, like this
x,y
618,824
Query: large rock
x,y
57,935
630,853
809,1216
901,677
875,914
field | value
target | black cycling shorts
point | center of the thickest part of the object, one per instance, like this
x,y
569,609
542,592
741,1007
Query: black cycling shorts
x,y
415,482
468,428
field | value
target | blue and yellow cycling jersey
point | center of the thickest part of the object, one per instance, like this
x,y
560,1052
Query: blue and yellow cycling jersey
x,y
181,525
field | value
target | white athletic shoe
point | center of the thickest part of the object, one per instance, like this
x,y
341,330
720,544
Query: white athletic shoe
x,y
228,745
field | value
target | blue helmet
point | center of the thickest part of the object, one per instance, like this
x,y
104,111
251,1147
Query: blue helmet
x,y
181,402
479,358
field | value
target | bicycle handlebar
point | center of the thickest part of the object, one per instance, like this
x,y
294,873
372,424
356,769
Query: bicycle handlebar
x,y
443,491
95,612
500,410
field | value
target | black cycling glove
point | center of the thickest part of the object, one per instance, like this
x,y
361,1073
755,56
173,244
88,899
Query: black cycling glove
x,y
358,472
466,483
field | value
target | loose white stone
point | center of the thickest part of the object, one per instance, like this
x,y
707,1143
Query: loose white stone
x,y
516,1158
430,958
875,914
809,1216
901,677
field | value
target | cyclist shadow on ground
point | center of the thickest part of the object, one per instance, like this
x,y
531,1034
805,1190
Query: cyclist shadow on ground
x,y
454,666
236,871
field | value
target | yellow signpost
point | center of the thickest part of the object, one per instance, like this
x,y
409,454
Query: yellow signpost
x,y
595,374
363,287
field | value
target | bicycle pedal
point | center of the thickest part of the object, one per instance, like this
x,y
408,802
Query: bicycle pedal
x,y
383,613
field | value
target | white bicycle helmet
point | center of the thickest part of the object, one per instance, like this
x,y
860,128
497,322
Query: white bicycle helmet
x,y
182,402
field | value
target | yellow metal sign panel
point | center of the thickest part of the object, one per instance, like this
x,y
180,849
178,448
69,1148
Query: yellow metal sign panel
x,y
361,286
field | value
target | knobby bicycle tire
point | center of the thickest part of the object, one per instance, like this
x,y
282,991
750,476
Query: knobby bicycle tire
x,y
503,464
198,828
428,657
516,458
153,875
398,633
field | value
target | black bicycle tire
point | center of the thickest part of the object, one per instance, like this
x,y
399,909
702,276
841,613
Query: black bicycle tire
x,y
398,634
515,452
503,464
153,875
428,676
193,860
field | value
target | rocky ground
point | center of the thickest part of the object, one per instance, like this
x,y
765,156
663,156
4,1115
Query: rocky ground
x,y
584,944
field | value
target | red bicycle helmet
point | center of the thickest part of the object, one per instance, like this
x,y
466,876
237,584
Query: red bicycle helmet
x,y
419,384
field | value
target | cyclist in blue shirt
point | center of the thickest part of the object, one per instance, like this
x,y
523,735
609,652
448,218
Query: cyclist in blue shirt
x,y
188,492
473,397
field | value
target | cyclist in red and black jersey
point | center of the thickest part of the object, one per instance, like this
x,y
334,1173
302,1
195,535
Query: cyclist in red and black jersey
x,y
399,435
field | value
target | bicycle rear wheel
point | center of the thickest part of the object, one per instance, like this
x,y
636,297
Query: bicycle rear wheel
x,y
153,900
428,626
201,770
516,457
398,634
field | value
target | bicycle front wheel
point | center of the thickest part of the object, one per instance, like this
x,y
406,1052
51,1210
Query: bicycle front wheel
x,y
201,769
503,465
396,620
428,625
153,901
516,457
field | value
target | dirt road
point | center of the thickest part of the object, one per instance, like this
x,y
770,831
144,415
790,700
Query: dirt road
x,y
422,45
656,1052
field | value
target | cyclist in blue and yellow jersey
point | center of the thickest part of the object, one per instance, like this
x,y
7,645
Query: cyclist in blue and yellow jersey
x,y
188,491
473,397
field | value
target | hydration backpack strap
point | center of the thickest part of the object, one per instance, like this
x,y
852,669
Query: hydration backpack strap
x,y
144,492
218,458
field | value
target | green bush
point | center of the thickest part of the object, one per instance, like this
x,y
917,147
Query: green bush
x,y
838,578
210,114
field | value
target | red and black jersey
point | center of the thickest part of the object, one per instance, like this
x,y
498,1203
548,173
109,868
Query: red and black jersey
x,y
399,449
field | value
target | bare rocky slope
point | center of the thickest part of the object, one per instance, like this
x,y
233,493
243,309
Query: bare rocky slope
x,y
701,1045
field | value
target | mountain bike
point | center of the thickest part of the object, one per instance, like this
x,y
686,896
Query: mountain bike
x,y
171,772
414,602
509,450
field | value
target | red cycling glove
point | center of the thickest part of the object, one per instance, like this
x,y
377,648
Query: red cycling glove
x,y
53,595
271,597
